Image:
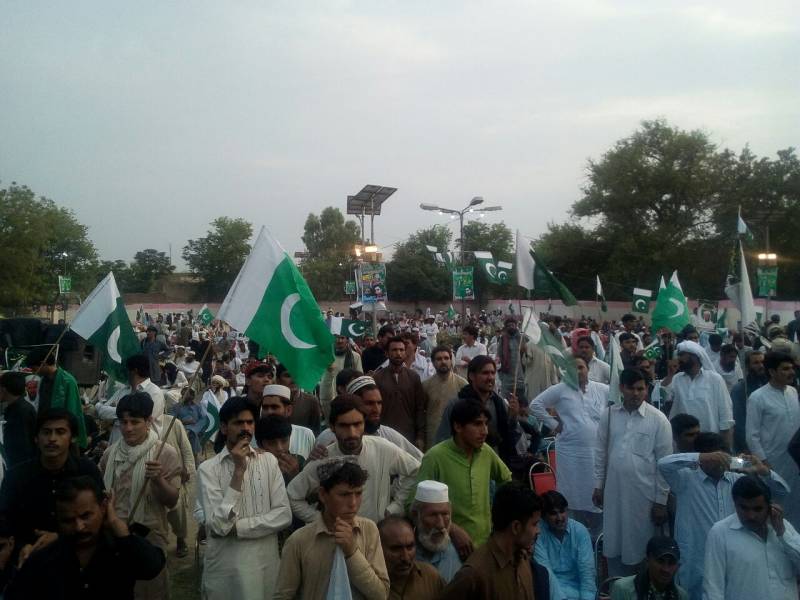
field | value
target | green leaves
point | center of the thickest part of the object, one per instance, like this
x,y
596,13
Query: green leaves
x,y
217,257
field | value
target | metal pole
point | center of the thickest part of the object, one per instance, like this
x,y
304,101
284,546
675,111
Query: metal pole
x,y
372,219
461,247
769,288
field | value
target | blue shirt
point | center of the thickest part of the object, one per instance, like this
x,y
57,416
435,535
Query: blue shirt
x,y
701,502
447,561
570,559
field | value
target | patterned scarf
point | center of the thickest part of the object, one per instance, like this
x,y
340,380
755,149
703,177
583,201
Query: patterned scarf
x,y
123,458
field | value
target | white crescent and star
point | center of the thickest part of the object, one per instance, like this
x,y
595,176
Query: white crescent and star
x,y
111,346
489,269
353,333
640,305
679,308
286,327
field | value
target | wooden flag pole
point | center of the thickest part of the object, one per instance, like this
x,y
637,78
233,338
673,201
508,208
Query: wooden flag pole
x,y
169,430
519,356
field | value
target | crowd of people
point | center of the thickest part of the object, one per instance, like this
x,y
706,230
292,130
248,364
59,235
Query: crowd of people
x,y
407,471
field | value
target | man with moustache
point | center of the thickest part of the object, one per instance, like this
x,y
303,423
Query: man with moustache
x,y
408,578
439,389
755,376
430,513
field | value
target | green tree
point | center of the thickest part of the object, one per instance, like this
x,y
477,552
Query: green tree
x,y
497,239
149,266
122,274
413,275
35,235
218,257
330,242
664,199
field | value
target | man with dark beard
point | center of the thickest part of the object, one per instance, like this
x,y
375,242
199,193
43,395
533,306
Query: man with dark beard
x,y
344,358
755,377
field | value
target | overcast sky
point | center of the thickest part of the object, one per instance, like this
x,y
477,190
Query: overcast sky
x,y
150,119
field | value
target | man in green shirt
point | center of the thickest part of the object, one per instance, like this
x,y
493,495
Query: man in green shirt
x,y
467,465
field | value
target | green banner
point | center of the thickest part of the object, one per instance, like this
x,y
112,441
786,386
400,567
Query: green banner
x,y
463,284
350,287
64,284
767,281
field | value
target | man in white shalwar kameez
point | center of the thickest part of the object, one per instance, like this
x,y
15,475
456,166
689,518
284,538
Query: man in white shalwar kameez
x,y
632,436
245,506
773,417
578,414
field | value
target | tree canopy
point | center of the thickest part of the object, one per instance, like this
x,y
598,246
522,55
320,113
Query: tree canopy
x,y
330,242
413,275
665,199
218,256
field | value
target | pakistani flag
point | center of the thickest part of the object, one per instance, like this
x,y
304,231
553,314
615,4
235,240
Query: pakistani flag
x,y
532,274
671,309
348,327
641,300
271,304
504,271
654,351
486,264
742,230
741,294
205,316
451,313
539,333
212,418
661,284
103,322
603,305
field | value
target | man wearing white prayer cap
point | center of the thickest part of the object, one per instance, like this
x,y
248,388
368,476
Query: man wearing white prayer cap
x,y
430,513
700,391
277,400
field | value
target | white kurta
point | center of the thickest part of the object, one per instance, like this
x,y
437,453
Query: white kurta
x,y
599,371
630,481
705,397
773,417
580,414
245,565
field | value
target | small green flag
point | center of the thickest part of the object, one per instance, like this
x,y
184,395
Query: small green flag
x,y
641,300
653,352
603,305
671,309
533,274
212,424
348,327
451,312
205,315
540,334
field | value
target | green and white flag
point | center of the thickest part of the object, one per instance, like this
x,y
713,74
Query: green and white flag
x,y
532,274
271,304
539,333
212,422
671,309
486,264
205,316
504,271
451,313
742,230
741,294
614,357
348,327
661,284
654,351
641,300
599,291
103,322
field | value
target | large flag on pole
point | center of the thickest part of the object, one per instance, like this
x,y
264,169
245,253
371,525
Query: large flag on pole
x,y
603,305
742,230
205,315
741,294
102,321
272,304
541,336
672,310
486,264
532,274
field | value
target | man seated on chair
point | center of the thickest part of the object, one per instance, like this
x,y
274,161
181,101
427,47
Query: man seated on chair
x,y
656,578
565,547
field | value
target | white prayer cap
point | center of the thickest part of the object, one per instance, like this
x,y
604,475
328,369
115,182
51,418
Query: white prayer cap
x,y
432,492
358,383
277,390
696,349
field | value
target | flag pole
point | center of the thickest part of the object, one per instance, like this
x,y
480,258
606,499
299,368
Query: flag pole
x,y
53,346
521,347
169,430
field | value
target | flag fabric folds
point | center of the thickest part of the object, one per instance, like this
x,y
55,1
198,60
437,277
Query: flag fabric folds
x,y
532,274
103,322
741,294
272,304
348,327
672,310
205,315
539,333
603,305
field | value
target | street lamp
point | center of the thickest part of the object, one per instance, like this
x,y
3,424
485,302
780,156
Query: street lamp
x,y
767,278
476,200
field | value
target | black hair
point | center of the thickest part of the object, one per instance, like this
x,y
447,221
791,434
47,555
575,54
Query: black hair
x,y
58,414
466,411
514,501
625,336
349,473
280,370
585,338
628,317
477,363
69,488
37,356
345,376
139,364
728,349
273,427
14,382
773,360
629,377
715,339
386,330
393,520
471,330
683,422
342,404
233,406
138,405
750,487
395,339
553,500
707,441
441,348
